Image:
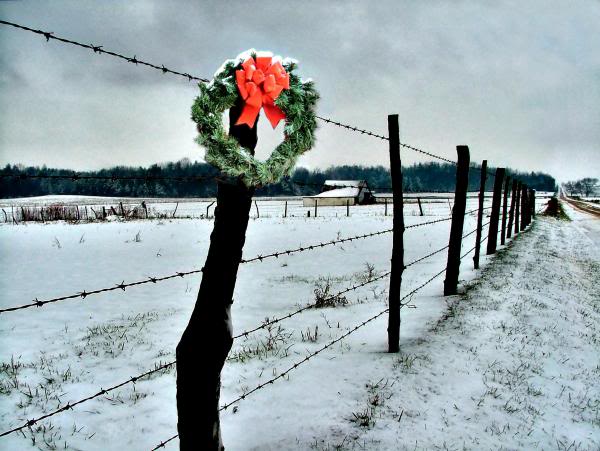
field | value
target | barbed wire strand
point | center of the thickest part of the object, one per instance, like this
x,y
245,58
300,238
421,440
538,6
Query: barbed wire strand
x,y
268,322
100,50
102,392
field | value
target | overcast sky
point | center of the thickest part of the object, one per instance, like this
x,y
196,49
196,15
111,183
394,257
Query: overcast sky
x,y
519,82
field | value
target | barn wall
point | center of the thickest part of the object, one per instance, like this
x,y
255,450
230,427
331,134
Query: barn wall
x,y
328,201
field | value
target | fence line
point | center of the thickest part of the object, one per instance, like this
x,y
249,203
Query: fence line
x,y
404,300
102,391
123,286
318,351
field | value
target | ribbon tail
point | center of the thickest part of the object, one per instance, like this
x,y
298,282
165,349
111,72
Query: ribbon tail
x,y
273,113
248,116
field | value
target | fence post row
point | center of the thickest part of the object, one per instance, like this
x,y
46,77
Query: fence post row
x,y
480,213
207,339
458,219
397,265
517,208
495,214
504,210
523,207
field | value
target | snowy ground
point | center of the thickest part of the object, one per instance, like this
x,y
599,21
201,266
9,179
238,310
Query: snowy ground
x,y
511,363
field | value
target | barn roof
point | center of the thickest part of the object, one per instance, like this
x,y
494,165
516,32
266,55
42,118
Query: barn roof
x,y
340,192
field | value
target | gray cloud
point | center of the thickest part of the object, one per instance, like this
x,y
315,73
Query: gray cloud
x,y
517,81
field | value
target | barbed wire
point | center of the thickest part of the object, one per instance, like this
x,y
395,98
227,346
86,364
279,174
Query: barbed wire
x,y
102,392
385,138
268,322
84,294
123,286
100,50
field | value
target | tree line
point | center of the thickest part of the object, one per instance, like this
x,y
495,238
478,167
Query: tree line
x,y
420,177
587,186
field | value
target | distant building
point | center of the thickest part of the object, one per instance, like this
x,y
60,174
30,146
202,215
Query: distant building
x,y
341,192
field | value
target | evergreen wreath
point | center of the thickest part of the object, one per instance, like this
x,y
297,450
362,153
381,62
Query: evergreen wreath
x,y
223,151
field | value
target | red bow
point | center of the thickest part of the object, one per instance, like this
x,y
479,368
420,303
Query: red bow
x,y
260,83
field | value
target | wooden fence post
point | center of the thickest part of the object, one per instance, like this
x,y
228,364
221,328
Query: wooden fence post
x,y
504,211
207,339
511,214
385,211
420,207
517,208
480,214
316,206
492,240
523,207
347,207
397,267
257,212
207,208
285,210
533,203
458,219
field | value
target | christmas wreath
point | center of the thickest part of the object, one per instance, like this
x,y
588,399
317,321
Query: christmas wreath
x,y
262,81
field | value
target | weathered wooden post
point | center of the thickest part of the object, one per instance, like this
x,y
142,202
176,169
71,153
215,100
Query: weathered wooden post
x,y
517,208
420,207
316,206
285,210
533,203
257,212
397,267
347,207
495,214
523,207
385,211
207,208
480,214
504,210
458,219
511,214
207,338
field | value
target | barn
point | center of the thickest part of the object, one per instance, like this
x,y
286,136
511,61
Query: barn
x,y
341,193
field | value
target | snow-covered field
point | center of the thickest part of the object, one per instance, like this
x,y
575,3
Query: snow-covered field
x,y
264,207
511,365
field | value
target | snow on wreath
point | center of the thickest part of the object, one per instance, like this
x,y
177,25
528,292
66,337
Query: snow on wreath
x,y
266,82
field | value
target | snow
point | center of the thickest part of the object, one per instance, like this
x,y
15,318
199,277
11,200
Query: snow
x,y
340,192
510,363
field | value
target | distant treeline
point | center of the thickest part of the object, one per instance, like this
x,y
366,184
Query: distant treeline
x,y
419,177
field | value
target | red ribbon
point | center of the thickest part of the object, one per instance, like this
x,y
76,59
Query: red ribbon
x,y
260,82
